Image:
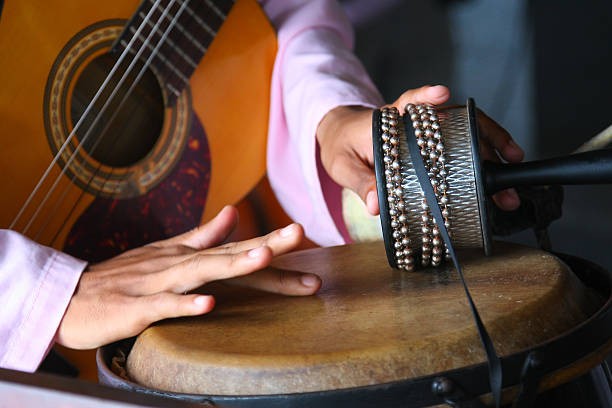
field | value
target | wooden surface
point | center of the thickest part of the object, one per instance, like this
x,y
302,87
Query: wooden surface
x,y
367,325
20,389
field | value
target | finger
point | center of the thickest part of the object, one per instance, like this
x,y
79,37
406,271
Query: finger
x,y
203,268
167,305
91,322
363,182
434,95
371,202
279,241
280,281
354,169
499,138
487,152
507,200
359,177
147,259
212,233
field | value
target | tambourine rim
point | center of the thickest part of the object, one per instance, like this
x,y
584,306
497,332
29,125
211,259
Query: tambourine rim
x,y
379,170
478,176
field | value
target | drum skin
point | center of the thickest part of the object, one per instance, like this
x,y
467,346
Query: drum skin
x,y
368,324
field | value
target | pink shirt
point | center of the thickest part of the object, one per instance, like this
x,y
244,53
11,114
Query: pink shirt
x,y
36,284
315,71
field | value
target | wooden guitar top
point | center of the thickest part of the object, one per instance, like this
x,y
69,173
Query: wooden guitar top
x,y
368,324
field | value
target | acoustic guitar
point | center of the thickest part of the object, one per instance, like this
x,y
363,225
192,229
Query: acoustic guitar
x,y
124,122
176,132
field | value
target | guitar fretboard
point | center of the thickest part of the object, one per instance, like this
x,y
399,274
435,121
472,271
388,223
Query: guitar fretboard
x,y
178,32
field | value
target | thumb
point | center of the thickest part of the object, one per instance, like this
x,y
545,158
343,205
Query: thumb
x,y
434,95
361,179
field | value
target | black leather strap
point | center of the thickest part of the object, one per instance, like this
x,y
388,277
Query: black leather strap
x,y
493,361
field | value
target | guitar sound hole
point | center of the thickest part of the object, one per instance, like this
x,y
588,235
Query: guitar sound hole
x,y
123,133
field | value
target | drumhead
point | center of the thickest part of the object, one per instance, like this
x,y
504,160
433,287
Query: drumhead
x,y
368,325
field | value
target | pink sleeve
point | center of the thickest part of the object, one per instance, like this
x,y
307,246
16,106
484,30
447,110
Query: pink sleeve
x,y
36,284
315,71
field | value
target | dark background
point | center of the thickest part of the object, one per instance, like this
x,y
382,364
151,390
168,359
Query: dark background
x,y
543,70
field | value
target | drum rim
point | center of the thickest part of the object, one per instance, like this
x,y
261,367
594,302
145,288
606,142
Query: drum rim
x,y
591,335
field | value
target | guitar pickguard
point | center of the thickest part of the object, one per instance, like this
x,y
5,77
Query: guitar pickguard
x,y
111,226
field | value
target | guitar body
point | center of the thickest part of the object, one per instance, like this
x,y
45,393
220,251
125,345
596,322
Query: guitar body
x,y
189,158
207,151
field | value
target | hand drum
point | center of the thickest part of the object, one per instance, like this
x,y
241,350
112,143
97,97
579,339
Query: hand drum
x,y
372,336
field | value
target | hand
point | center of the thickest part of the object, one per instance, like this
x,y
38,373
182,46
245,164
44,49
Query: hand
x,y
494,139
120,297
345,140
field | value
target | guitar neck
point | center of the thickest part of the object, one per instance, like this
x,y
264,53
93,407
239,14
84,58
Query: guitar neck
x,y
187,27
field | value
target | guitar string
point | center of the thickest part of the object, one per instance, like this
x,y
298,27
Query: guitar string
x,y
79,122
127,170
113,93
60,200
108,175
51,214
92,126
82,194
105,179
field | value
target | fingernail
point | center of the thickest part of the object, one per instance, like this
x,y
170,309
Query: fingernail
x,y
309,280
440,89
200,300
255,253
370,197
372,202
288,230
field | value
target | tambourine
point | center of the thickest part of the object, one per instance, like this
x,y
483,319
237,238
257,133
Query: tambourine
x,y
448,143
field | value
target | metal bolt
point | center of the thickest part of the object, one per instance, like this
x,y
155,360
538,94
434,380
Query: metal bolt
x,y
442,386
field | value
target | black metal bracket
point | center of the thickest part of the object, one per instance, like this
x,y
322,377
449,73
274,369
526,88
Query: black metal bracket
x,y
530,381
